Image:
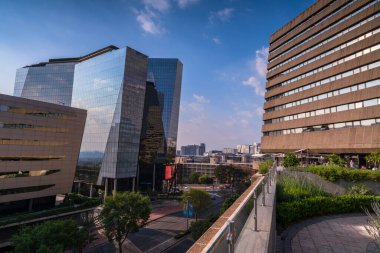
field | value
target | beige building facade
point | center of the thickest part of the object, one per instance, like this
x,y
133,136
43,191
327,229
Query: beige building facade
x,y
39,148
323,80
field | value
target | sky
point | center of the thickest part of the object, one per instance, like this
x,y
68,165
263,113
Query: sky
x,y
223,45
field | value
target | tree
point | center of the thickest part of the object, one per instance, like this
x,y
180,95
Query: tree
x,y
194,177
336,160
204,179
291,160
200,200
55,236
374,158
229,174
124,213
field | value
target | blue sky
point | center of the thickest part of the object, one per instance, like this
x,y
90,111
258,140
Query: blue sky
x,y
222,44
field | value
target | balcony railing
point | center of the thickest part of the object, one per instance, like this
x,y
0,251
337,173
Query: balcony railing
x,y
248,225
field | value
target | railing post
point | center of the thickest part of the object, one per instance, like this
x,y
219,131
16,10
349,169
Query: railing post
x,y
230,237
268,181
263,190
255,207
270,177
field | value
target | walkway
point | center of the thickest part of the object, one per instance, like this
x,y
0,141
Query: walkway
x,y
337,235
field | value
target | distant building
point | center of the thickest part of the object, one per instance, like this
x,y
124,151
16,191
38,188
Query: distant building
x,y
243,149
39,148
255,148
193,150
202,149
230,151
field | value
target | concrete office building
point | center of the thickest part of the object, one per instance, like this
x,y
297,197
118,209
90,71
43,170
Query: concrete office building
x,y
323,80
39,148
111,85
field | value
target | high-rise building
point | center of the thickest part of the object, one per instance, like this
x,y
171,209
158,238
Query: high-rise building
x,y
39,147
243,149
194,150
202,149
111,84
167,77
323,81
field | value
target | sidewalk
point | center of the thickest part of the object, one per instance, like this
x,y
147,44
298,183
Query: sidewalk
x,y
157,213
163,211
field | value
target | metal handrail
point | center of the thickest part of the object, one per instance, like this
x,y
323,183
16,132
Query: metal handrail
x,y
230,236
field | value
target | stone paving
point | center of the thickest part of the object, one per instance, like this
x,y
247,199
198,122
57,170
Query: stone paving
x,y
339,235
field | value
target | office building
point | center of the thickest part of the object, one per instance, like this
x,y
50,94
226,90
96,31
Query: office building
x,y
193,150
167,77
243,149
202,149
39,148
230,151
323,81
111,84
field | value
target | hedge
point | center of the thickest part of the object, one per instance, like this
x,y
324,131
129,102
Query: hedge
x,y
334,172
289,212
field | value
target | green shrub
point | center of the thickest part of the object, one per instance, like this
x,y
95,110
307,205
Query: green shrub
x,y
198,228
265,166
359,189
228,202
289,212
335,159
291,160
334,172
292,187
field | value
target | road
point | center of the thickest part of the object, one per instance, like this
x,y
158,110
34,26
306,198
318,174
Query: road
x,y
158,235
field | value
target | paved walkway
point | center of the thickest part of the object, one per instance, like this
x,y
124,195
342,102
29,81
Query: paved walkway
x,y
339,235
101,244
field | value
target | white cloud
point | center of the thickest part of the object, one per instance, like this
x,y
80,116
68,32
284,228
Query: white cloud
x,y
200,99
261,61
256,84
184,3
259,69
160,5
222,15
148,24
216,40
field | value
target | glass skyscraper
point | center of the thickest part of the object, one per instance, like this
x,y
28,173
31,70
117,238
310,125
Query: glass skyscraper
x,y
167,74
47,82
131,123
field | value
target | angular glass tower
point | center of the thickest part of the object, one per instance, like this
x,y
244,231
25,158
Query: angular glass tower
x,y
167,74
48,82
132,123
111,87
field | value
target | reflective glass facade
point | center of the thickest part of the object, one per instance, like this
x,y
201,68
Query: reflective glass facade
x,y
167,75
152,141
50,82
111,87
131,123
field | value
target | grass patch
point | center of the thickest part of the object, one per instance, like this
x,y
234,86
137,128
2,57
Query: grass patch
x,y
295,187
299,198
334,172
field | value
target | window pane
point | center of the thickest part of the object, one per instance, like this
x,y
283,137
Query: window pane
x,y
370,102
341,108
